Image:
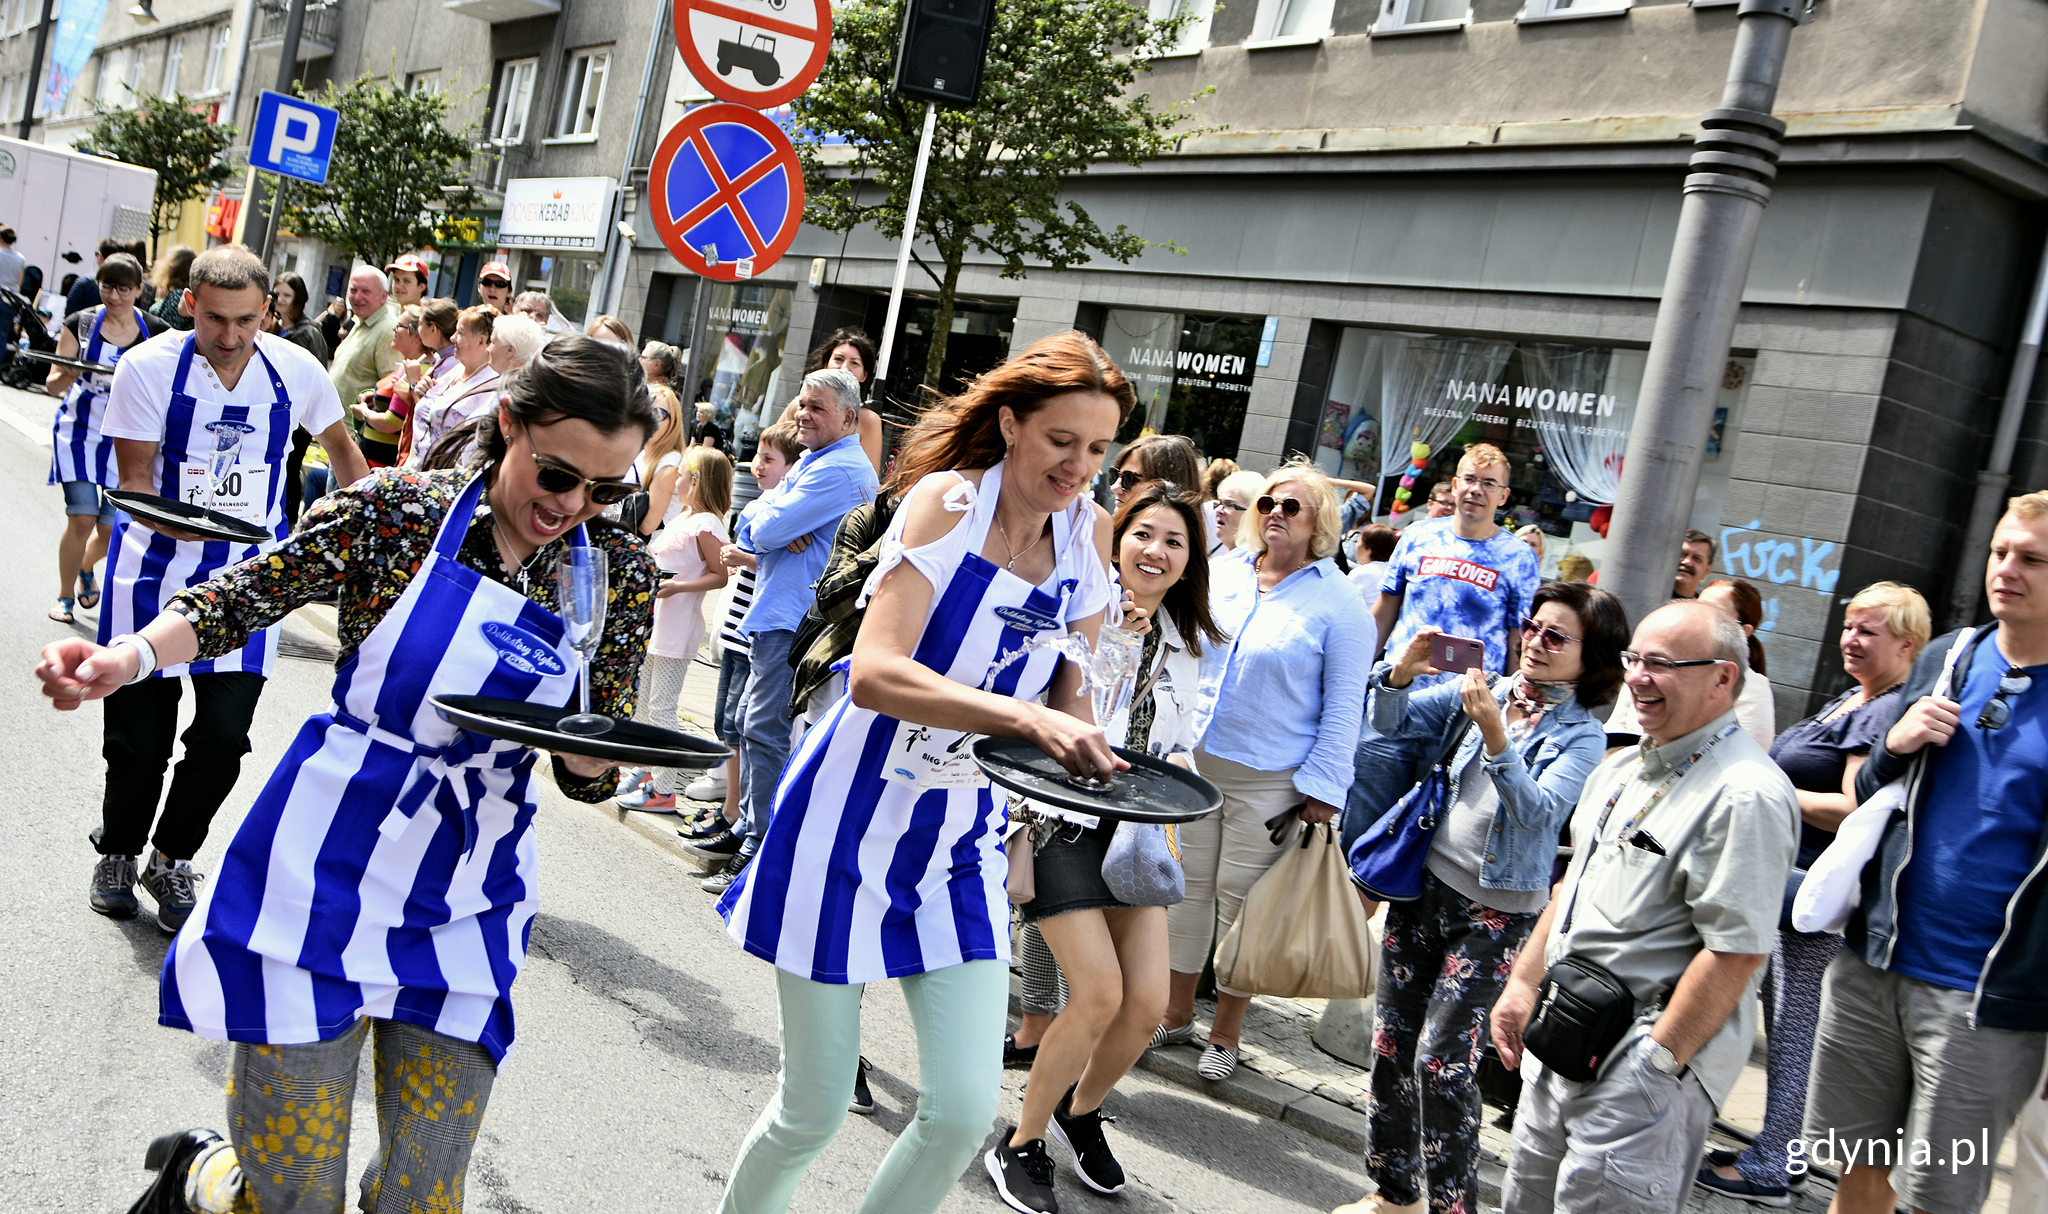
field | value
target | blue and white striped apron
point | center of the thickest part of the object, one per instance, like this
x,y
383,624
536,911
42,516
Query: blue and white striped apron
x,y
388,869
78,451
148,568
863,877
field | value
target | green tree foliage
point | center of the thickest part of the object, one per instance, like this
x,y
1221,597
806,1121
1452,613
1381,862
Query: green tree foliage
x,y
171,136
393,153
1056,96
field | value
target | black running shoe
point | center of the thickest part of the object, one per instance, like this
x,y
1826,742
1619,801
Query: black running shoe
x,y
170,883
1023,1175
170,1157
113,887
720,881
863,1100
1018,1057
725,843
1082,1134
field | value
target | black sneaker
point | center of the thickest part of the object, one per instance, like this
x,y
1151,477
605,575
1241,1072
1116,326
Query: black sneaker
x,y
726,842
720,881
863,1100
170,883
1082,1134
170,1157
1023,1175
113,887
1017,1057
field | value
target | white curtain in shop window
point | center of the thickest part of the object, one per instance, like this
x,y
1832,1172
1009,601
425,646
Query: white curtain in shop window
x,y
1584,444
1413,391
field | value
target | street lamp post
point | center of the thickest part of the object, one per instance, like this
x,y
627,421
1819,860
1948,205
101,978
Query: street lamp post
x,y
1732,167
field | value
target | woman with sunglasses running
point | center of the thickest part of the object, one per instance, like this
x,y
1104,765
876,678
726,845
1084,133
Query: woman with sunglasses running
x,y
383,882
1529,742
1288,704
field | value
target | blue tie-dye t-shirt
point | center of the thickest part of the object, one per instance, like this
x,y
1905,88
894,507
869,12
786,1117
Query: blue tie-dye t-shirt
x,y
1469,588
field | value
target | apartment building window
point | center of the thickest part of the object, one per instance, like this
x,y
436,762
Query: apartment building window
x,y
1288,22
1415,16
583,94
8,16
1196,35
174,58
11,98
216,58
514,101
1557,10
424,82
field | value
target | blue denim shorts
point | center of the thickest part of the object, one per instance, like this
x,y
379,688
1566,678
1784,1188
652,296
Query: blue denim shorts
x,y
83,497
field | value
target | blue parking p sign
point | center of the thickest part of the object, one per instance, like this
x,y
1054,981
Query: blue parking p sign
x,y
293,137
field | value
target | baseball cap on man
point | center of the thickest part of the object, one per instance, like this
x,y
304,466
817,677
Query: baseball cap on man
x,y
496,269
411,262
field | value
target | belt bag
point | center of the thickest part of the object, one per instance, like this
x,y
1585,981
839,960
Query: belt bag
x,y
1582,1011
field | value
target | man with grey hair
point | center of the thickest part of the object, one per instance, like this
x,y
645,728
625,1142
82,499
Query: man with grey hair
x,y
1683,843
789,537
365,355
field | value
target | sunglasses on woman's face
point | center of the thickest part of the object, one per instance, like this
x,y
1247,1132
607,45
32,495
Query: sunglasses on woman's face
x,y
1127,479
1552,639
560,479
1286,505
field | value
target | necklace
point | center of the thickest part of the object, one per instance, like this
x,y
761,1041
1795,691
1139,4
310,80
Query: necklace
x,y
521,570
1015,555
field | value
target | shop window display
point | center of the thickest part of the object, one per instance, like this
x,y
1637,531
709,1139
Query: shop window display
x,y
1562,413
1193,373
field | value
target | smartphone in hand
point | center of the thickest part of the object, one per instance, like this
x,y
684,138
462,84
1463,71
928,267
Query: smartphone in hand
x,y
1456,654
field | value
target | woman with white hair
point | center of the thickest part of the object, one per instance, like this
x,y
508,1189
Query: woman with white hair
x,y
1234,496
1288,708
515,339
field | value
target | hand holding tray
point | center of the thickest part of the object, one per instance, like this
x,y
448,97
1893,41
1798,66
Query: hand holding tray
x,y
185,517
1152,790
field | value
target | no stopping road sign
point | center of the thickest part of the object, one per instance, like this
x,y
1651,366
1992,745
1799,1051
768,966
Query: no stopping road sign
x,y
726,178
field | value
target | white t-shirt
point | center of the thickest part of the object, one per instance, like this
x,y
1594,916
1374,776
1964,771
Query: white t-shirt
x,y
141,394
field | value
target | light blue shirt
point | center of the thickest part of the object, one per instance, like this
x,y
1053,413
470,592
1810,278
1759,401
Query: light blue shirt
x,y
811,500
1290,689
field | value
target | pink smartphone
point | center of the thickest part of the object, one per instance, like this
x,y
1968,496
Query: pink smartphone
x,y
1454,654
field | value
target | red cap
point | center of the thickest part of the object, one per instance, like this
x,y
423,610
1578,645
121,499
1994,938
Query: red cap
x,y
496,269
409,261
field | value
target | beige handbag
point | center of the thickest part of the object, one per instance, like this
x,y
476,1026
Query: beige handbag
x,y
1020,844
1302,933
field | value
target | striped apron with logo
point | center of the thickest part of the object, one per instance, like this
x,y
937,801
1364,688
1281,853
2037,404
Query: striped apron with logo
x,y
78,451
388,869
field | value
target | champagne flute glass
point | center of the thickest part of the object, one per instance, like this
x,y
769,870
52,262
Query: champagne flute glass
x,y
580,582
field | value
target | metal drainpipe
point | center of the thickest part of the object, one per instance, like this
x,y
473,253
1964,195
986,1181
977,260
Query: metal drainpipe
x,y
242,63
1996,476
1726,189
613,254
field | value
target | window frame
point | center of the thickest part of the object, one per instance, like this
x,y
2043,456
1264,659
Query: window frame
x,y
1273,13
1195,39
1393,19
576,92
216,58
174,63
1549,10
428,81
500,110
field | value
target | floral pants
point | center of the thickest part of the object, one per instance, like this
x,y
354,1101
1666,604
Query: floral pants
x,y
1444,961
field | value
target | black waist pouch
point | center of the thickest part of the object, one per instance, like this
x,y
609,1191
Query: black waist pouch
x,y
1582,1010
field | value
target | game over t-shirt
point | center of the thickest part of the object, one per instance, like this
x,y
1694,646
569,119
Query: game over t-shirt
x,y
1468,588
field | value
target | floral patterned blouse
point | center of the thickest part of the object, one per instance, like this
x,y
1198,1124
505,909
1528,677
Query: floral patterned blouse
x,y
367,541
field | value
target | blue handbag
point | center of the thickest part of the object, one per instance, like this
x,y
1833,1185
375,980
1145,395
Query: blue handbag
x,y
1386,859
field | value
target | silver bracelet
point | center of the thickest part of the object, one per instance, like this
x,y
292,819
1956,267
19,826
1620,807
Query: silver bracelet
x,y
145,654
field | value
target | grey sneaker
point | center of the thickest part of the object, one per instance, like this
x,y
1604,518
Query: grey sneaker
x,y
113,887
170,883
720,881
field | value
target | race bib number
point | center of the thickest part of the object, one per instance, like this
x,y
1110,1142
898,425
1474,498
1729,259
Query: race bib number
x,y
925,757
242,491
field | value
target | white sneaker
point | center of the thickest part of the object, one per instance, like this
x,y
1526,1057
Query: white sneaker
x,y
706,788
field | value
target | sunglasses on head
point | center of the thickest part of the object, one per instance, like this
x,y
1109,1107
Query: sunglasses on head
x,y
1553,640
1286,505
560,479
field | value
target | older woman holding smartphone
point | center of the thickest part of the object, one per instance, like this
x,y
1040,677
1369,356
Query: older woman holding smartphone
x,y
1529,741
1288,702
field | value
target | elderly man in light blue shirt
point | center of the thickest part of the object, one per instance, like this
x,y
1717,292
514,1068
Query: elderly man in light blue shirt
x,y
790,530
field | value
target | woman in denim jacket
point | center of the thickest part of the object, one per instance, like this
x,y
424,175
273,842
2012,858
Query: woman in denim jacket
x,y
1514,780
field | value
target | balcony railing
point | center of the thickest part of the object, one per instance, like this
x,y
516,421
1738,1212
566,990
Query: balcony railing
x,y
317,36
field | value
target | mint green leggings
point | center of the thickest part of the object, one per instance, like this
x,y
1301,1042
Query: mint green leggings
x,y
959,1011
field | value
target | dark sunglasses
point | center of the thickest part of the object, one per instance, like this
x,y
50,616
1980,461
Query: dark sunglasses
x,y
2014,682
1287,506
559,479
1127,479
1552,639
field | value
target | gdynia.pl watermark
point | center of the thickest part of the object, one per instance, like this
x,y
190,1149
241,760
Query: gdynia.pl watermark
x,y
1833,1152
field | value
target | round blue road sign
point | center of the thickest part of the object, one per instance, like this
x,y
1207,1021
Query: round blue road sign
x,y
726,191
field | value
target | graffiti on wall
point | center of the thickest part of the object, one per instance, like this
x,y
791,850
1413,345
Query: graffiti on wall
x,y
1780,562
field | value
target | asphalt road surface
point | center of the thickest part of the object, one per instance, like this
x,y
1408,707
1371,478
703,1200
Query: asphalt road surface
x,y
647,1041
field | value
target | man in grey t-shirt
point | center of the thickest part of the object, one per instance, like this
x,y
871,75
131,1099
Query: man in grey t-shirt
x,y
12,266
1683,846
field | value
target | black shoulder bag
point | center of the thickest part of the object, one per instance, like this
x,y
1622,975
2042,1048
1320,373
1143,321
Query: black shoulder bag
x,y
1582,1008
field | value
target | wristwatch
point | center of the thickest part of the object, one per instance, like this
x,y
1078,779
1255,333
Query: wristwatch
x,y
1664,1060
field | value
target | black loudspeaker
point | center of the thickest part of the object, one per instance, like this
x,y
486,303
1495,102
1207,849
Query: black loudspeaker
x,y
944,44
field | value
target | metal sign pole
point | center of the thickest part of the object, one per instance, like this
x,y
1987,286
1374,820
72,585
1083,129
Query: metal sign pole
x,y
924,156
699,329
287,70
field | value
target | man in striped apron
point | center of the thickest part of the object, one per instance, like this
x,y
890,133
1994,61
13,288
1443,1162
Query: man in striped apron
x,y
207,417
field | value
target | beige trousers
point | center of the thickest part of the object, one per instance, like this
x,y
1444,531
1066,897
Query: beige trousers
x,y
1224,855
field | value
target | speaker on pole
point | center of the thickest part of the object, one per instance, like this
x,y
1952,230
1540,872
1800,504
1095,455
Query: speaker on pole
x,y
944,43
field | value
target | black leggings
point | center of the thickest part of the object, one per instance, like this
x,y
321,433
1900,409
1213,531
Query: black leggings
x,y
141,723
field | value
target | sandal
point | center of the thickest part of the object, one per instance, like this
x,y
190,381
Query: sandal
x,y
88,590
62,612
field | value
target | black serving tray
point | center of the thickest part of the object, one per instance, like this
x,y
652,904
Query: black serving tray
x,y
194,520
633,742
1153,790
